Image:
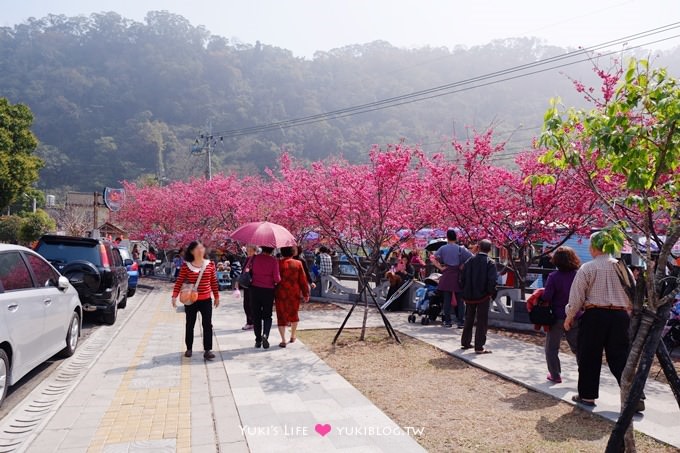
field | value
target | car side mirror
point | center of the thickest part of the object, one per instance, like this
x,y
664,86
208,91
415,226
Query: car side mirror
x,y
63,283
128,262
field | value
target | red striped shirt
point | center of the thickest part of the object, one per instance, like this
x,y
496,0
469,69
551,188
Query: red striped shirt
x,y
207,284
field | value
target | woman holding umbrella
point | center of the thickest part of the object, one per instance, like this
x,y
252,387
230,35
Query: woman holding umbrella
x,y
265,272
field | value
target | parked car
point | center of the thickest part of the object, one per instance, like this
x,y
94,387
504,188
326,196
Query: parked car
x,y
40,314
132,270
94,267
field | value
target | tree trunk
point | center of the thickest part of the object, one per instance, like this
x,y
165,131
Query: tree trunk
x,y
362,337
669,370
640,360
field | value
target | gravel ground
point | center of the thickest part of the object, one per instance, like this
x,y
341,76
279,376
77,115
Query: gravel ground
x,y
462,408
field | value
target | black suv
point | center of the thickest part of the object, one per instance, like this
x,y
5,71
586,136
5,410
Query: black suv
x,y
94,267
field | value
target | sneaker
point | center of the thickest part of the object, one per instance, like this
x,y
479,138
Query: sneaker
x,y
448,325
265,342
557,380
247,327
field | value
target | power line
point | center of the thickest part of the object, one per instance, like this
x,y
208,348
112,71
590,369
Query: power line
x,y
493,82
238,133
442,90
547,26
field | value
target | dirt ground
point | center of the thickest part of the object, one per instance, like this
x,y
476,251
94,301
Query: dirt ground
x,y
462,408
538,338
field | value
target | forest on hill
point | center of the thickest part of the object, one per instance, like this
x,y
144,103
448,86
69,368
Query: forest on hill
x,y
115,99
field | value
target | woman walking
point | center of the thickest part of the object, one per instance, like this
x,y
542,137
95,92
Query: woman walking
x,y
266,276
556,294
293,287
251,251
195,263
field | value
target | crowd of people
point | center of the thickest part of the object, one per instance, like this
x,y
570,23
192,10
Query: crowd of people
x,y
282,282
590,303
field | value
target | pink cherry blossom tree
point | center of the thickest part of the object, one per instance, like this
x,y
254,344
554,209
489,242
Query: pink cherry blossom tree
x,y
173,215
360,208
511,207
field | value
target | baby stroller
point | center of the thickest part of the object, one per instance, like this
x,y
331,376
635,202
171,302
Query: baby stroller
x,y
429,301
671,337
223,280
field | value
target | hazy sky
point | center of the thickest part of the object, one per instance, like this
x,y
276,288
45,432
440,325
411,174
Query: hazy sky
x,y
305,26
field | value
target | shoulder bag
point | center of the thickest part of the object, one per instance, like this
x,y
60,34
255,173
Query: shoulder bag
x,y
542,314
189,293
245,280
628,283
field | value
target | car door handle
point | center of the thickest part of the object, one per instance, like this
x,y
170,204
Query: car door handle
x,y
13,307
47,301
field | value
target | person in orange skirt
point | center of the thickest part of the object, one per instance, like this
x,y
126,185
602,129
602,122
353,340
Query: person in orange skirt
x,y
292,288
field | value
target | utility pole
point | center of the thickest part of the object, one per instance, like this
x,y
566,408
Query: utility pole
x,y
94,213
208,156
206,143
208,153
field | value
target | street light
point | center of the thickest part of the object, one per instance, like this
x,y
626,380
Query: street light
x,y
34,201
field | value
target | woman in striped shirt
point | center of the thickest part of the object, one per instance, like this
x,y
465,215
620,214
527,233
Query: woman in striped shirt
x,y
194,260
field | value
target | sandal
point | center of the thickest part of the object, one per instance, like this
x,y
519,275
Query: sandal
x,y
292,339
282,344
578,400
483,351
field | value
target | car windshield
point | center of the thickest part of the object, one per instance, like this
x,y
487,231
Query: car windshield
x,y
60,253
124,253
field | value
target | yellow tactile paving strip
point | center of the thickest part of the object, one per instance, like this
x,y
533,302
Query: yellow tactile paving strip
x,y
149,413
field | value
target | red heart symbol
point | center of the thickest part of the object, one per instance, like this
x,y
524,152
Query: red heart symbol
x,y
322,429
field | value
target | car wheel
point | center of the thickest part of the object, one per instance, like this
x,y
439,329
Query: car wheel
x,y
131,292
4,374
83,275
111,316
72,336
123,303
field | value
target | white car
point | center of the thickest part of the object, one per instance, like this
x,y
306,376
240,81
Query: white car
x,y
40,314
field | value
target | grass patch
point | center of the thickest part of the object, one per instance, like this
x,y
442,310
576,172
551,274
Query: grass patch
x,y
462,408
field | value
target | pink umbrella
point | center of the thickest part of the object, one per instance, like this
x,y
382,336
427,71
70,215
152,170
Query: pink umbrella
x,y
264,234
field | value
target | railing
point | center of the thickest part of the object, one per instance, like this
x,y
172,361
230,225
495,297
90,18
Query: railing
x,y
508,309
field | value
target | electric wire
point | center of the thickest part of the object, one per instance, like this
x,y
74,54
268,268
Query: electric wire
x,y
444,90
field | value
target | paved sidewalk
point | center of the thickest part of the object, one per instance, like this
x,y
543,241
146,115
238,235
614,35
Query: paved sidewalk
x,y
525,364
143,395
287,398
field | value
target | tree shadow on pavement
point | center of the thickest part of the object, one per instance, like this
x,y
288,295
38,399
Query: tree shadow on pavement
x,y
157,361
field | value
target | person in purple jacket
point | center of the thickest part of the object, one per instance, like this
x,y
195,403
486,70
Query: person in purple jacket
x,y
557,294
266,275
